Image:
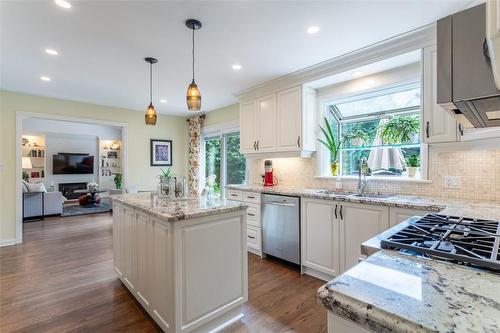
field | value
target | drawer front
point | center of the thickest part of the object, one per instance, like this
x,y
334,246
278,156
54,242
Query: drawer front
x,y
251,197
254,237
253,215
234,195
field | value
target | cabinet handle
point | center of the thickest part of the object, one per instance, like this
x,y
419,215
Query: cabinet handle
x,y
234,195
251,237
461,129
250,197
257,144
427,130
298,141
336,211
341,216
250,214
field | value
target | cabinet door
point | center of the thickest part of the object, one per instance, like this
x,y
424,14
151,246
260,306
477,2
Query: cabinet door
x,y
359,222
266,124
289,119
161,273
320,236
398,215
117,236
143,257
438,124
248,117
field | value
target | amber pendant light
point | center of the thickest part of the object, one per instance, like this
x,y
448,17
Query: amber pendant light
x,y
193,95
150,116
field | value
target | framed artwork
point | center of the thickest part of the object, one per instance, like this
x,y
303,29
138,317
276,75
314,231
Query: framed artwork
x,y
161,152
112,154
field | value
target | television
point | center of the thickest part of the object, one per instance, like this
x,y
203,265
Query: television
x,y
71,163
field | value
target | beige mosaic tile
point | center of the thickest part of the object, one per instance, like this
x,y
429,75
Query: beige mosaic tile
x,y
477,171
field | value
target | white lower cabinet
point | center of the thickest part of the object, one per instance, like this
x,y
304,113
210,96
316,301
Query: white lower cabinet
x,y
254,226
358,223
320,237
398,215
333,231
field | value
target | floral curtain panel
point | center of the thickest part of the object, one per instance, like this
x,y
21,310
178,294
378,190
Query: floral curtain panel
x,y
194,129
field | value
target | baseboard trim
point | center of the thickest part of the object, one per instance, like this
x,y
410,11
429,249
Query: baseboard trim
x,y
7,242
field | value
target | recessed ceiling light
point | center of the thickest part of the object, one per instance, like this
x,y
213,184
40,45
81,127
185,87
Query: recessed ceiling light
x,y
163,101
51,51
357,74
236,67
312,30
45,78
63,3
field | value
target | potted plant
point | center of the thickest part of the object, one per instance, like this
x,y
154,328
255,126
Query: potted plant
x,y
412,165
118,180
399,129
355,138
332,144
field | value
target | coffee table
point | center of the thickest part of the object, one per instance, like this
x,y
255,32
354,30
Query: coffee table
x,y
92,200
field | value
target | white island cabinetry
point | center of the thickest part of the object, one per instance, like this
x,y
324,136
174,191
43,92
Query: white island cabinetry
x,y
190,274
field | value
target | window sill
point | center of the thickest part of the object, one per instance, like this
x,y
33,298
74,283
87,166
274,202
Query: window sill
x,y
380,179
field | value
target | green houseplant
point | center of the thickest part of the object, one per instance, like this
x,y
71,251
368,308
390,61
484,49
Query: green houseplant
x,y
355,138
332,144
399,129
412,165
118,179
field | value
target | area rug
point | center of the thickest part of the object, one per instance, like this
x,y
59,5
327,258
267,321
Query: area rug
x,y
73,210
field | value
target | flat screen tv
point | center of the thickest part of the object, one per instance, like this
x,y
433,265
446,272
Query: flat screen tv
x,y
67,163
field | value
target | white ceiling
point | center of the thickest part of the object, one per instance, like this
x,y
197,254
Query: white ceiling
x,y
102,44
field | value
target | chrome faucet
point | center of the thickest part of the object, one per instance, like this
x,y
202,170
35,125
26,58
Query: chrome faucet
x,y
363,170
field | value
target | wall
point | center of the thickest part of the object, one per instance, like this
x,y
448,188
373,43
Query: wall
x,y
140,173
65,143
226,114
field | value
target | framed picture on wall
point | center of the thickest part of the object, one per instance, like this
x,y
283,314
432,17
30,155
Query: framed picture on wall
x,y
161,152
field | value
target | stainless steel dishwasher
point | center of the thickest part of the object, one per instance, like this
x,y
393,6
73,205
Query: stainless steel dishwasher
x,y
281,227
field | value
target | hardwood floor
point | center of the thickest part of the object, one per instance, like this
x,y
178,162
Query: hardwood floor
x,y
61,279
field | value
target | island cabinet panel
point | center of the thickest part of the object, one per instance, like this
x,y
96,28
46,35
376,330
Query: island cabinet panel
x,y
320,236
117,238
398,215
358,223
189,275
204,261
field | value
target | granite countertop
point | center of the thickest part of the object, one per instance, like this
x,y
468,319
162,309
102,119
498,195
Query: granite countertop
x,y
393,292
172,210
441,205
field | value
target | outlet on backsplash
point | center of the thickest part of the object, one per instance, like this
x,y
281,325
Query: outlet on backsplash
x,y
451,182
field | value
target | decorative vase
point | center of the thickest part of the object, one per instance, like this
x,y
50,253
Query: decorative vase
x,y
334,168
412,171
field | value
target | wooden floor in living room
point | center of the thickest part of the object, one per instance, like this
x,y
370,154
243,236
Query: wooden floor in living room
x,y
61,279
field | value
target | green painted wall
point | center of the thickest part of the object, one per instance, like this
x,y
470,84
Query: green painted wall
x,y
226,114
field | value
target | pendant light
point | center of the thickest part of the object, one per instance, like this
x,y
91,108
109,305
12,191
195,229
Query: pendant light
x,y
193,96
150,116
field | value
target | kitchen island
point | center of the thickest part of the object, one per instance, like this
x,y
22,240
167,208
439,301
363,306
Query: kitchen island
x,y
184,260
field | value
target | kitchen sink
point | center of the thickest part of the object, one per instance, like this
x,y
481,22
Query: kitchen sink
x,y
372,195
331,192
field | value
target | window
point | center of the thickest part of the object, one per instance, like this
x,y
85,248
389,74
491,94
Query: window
x,y
222,160
382,126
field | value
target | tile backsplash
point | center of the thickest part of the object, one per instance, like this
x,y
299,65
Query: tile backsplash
x,y
478,173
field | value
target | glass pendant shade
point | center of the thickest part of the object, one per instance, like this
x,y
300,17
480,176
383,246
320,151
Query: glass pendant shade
x,y
193,97
150,116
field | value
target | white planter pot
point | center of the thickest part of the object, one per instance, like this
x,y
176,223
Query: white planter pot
x,y
412,171
357,142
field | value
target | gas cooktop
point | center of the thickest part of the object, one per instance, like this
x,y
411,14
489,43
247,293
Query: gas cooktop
x,y
462,240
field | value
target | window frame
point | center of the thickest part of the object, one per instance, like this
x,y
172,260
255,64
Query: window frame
x,y
219,131
323,109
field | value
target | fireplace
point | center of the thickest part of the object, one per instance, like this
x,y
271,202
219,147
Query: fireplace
x,y
67,189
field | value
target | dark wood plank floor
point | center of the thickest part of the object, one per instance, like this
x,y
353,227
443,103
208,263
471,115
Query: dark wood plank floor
x,y
61,280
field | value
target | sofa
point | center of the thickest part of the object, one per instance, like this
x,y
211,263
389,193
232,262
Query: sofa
x,y
32,203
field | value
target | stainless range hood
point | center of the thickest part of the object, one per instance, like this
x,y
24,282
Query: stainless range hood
x,y
465,81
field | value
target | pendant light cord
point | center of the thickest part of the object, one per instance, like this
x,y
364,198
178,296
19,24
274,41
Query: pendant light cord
x,y
151,83
193,55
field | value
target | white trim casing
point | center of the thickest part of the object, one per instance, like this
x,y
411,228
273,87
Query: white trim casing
x,y
20,116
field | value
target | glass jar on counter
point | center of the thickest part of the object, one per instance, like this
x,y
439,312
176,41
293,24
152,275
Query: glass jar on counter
x,y
166,187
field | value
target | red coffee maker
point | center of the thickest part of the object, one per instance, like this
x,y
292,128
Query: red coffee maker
x,y
269,179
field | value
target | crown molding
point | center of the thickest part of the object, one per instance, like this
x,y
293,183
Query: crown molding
x,y
394,46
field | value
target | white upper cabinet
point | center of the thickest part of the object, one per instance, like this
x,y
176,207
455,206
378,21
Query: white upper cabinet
x,y
438,125
266,124
279,124
248,136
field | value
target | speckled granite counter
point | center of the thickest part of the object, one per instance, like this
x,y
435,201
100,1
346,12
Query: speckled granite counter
x,y
444,206
392,292
178,209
